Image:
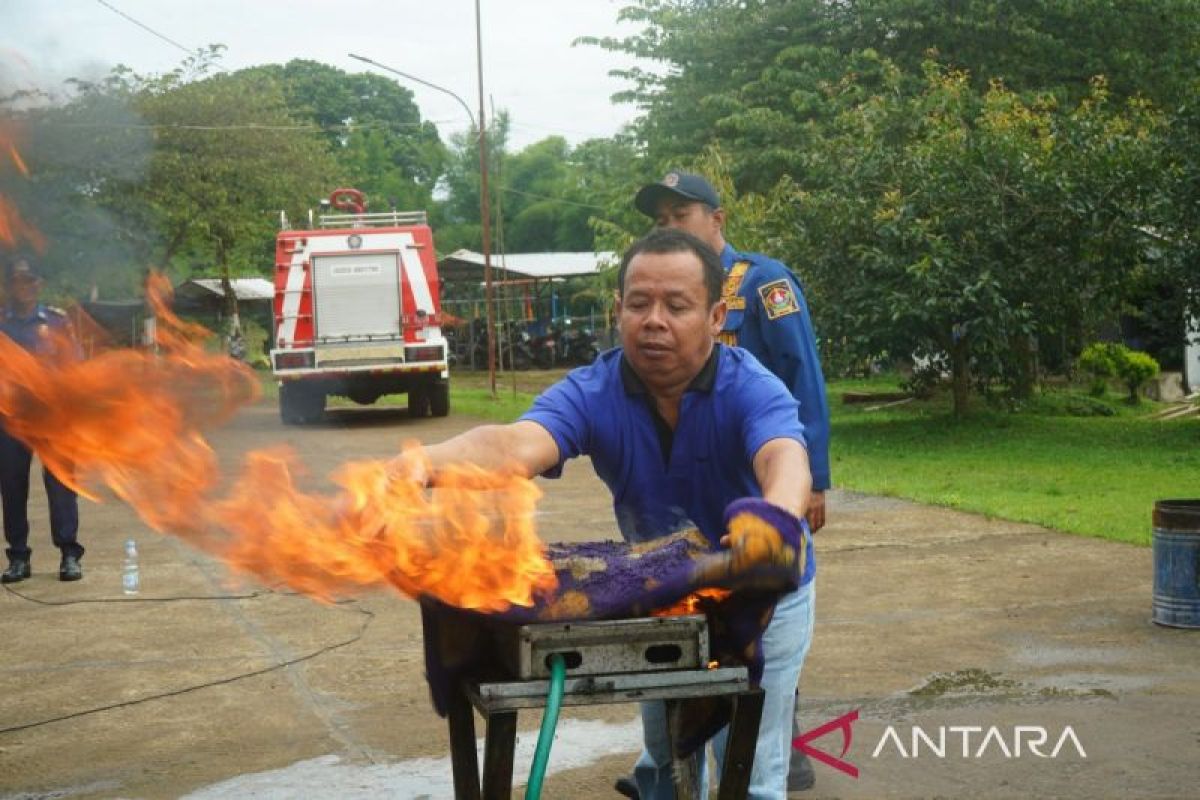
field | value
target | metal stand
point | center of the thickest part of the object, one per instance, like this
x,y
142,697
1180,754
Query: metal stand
x,y
500,702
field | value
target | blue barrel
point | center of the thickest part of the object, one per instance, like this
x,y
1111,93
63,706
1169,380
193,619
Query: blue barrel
x,y
1177,563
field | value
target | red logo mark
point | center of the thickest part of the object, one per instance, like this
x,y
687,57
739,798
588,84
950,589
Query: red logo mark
x,y
843,723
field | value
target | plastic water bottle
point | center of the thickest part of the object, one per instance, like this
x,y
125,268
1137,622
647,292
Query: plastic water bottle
x,y
131,580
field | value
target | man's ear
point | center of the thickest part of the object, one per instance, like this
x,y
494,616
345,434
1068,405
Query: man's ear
x,y
717,317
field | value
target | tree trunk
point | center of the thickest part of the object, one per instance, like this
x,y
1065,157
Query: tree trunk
x,y
174,242
1025,353
231,306
959,355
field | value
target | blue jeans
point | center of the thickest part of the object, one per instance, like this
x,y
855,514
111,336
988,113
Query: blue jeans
x,y
785,644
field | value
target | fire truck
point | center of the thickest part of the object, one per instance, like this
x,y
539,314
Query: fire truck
x,y
358,311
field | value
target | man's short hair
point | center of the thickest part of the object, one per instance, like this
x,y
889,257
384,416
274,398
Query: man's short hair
x,y
669,240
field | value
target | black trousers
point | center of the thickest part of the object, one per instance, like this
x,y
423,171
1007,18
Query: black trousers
x,y
15,461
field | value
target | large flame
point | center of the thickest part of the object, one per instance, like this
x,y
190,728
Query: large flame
x,y
132,422
471,542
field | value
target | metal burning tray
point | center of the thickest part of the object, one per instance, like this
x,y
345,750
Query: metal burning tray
x,y
610,647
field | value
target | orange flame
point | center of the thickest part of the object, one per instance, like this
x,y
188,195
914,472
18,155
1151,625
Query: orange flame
x,y
470,543
694,603
14,229
15,157
126,419
133,422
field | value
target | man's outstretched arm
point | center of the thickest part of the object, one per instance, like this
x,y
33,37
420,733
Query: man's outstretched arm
x,y
523,446
781,466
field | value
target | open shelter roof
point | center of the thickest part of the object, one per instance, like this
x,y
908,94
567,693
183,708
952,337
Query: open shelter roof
x,y
467,265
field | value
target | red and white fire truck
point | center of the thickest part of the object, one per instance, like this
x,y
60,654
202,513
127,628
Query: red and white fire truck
x,y
358,311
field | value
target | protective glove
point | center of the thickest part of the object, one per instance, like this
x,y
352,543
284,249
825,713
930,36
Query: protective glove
x,y
764,540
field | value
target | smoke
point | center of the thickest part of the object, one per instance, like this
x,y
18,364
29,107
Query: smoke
x,y
87,151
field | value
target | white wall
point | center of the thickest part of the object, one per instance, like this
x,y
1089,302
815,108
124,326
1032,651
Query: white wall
x,y
1191,356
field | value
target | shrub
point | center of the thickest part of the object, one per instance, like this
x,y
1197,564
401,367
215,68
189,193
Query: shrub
x,y
1104,360
1088,407
1099,361
1135,368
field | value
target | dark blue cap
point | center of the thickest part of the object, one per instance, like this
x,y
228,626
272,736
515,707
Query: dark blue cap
x,y
680,184
22,270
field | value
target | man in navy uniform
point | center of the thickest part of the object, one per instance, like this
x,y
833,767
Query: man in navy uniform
x,y
768,316
33,326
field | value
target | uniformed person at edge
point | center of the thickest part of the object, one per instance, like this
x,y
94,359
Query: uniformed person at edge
x,y
33,325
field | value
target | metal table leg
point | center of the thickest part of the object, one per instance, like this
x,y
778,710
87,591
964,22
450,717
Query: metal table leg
x,y
685,772
463,758
499,746
739,749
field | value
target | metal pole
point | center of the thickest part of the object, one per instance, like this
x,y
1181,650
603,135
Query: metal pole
x,y
421,81
485,210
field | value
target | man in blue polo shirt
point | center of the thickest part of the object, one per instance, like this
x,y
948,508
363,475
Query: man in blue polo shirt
x,y
678,427
769,317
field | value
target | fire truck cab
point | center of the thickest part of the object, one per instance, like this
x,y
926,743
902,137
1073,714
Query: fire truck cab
x,y
358,312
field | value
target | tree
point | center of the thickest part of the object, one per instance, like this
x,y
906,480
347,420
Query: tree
x,y
458,219
975,225
764,77
373,128
228,156
1176,224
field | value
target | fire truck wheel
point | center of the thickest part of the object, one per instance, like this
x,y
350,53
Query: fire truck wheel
x,y
299,405
418,401
439,398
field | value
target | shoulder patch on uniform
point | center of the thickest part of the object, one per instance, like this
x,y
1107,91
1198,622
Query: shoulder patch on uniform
x,y
778,298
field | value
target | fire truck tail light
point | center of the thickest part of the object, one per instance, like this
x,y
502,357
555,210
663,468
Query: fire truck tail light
x,y
298,360
429,353
421,319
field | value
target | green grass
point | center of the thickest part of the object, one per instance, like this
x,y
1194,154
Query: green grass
x,y
469,394
479,403
1097,476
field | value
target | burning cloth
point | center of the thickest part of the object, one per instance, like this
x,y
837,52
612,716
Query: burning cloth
x,y
735,587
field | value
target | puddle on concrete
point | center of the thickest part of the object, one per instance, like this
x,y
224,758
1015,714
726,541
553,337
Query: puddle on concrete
x,y
963,681
976,685
577,743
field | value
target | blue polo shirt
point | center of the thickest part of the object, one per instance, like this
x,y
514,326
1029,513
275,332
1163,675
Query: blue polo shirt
x,y
662,480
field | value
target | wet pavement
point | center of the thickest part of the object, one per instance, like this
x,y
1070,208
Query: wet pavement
x,y
948,643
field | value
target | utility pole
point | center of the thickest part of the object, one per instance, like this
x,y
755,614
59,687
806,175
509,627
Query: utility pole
x,y
485,211
484,204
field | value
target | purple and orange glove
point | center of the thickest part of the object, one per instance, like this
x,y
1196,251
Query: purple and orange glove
x,y
766,549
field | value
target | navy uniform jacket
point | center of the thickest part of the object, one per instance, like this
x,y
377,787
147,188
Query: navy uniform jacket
x,y
32,332
769,317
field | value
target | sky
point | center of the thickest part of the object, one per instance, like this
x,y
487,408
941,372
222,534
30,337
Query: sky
x,y
529,66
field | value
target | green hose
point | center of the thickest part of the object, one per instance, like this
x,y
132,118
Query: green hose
x,y
541,755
